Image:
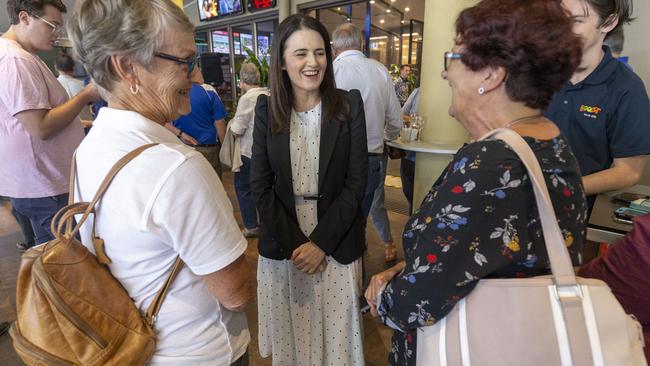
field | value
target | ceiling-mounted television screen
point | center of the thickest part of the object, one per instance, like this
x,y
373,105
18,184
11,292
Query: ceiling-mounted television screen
x,y
212,9
208,9
254,5
220,42
229,7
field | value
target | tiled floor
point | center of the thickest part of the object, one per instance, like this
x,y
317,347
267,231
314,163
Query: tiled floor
x,y
376,336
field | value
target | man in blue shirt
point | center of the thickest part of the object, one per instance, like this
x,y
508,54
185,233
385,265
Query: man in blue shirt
x,y
204,128
604,111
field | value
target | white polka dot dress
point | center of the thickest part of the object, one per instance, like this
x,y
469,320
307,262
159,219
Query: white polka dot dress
x,y
308,320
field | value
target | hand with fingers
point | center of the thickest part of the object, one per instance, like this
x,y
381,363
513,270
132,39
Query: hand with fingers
x,y
378,283
188,140
309,258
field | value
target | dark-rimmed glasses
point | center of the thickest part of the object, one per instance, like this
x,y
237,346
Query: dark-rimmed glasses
x,y
190,62
56,29
451,56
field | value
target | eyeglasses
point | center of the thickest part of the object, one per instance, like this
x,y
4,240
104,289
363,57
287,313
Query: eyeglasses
x,y
56,29
191,62
451,56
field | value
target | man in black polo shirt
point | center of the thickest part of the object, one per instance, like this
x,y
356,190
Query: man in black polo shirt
x,y
604,111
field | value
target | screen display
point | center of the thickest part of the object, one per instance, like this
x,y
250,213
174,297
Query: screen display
x,y
237,43
228,7
262,45
211,9
208,9
260,4
220,42
246,42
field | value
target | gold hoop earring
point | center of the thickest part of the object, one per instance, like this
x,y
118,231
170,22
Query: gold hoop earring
x,y
136,90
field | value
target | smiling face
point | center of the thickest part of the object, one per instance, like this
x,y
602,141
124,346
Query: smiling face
x,y
464,84
587,25
404,72
165,86
305,61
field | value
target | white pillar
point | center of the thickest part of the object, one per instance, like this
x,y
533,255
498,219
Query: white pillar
x,y
284,9
435,94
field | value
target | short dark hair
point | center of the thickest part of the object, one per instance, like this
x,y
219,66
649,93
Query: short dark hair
x,y
404,66
532,40
64,62
609,10
33,7
334,104
615,40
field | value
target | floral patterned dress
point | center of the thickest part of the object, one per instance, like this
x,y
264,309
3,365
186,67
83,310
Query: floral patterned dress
x,y
480,221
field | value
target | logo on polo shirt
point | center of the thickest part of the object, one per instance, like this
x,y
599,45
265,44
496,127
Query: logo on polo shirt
x,y
589,111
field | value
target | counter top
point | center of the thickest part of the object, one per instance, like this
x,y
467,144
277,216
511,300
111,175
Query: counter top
x,y
601,227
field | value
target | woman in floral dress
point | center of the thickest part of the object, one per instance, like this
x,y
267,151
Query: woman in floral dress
x,y
480,219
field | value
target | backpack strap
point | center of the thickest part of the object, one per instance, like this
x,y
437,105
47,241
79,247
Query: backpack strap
x,y
98,243
99,249
154,307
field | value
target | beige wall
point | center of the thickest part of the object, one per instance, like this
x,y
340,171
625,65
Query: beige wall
x,y
637,47
295,3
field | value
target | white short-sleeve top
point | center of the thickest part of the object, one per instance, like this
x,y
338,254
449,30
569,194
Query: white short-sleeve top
x,y
166,202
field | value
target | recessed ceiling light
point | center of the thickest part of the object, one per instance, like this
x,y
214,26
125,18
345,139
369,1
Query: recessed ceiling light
x,y
403,21
392,1
388,10
372,1
381,21
348,19
338,8
407,9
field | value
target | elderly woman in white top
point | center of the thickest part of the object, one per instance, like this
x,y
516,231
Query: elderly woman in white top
x,y
242,125
168,201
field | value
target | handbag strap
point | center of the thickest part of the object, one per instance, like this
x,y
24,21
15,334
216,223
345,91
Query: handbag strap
x,y
558,255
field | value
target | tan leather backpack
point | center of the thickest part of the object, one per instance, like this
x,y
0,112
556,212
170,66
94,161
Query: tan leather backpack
x,y
71,310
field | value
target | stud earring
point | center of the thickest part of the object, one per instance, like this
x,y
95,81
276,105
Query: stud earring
x,y
481,91
135,90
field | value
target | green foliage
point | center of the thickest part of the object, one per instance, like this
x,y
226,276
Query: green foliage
x,y
262,65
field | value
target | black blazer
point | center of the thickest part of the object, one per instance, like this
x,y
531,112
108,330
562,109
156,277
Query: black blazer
x,y
342,178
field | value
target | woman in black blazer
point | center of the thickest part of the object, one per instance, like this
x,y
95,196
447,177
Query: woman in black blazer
x,y
308,177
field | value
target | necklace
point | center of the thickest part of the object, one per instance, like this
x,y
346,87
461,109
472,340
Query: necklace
x,y
521,119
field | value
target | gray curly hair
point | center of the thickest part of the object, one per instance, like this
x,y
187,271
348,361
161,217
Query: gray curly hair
x,y
100,29
249,74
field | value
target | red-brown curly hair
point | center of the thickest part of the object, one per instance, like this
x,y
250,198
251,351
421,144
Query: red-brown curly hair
x,y
531,39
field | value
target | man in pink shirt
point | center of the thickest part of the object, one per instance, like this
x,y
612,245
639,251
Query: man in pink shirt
x,y
39,128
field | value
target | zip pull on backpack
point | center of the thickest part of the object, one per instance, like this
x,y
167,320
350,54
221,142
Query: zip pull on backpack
x,y
71,310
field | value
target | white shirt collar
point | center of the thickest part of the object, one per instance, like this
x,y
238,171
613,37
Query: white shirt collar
x,y
132,122
349,53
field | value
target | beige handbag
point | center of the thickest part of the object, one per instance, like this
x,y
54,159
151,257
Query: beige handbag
x,y
551,320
